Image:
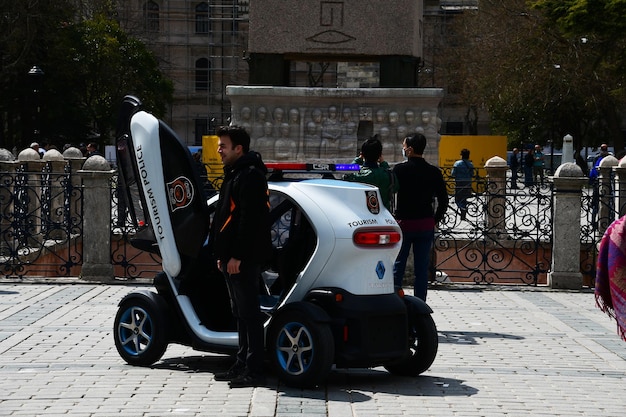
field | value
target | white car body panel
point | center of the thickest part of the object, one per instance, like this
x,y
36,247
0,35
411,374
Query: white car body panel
x,y
336,210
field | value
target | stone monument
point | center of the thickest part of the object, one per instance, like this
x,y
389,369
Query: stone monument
x,y
374,30
322,135
329,124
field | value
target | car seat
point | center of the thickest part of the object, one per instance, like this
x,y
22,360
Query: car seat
x,y
294,254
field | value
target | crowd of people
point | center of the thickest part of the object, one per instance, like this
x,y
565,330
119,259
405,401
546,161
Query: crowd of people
x,y
531,165
87,150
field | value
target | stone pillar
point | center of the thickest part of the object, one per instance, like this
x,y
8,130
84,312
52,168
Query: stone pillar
x,y
96,178
620,181
496,168
568,149
606,211
565,272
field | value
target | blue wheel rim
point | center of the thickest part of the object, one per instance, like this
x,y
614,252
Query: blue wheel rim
x,y
294,348
135,331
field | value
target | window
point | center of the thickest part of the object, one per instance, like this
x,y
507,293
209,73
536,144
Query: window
x,y
227,14
202,18
202,74
151,16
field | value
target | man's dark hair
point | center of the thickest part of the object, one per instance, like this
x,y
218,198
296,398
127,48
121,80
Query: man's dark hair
x,y
417,141
372,149
465,153
238,136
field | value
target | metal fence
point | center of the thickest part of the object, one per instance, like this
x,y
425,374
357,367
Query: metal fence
x,y
41,222
506,237
129,263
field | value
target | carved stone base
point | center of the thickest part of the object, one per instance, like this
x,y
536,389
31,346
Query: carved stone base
x,y
330,124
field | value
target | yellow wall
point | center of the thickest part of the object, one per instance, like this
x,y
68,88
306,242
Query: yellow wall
x,y
481,149
212,160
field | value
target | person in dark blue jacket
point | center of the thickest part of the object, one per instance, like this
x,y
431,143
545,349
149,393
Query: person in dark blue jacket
x,y
462,172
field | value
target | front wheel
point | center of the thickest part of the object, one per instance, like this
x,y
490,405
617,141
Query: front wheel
x,y
140,332
301,349
423,345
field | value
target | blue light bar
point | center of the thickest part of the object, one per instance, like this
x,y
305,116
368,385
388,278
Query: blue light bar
x,y
347,167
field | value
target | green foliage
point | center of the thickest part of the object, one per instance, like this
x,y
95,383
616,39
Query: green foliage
x,y
600,27
583,17
539,72
89,65
27,30
102,63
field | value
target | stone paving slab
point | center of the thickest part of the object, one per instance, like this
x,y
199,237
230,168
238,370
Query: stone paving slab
x,y
503,352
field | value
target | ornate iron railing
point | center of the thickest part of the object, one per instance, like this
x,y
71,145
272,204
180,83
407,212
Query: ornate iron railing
x,y
505,236
40,222
129,263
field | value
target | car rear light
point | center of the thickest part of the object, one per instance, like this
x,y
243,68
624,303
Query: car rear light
x,y
376,237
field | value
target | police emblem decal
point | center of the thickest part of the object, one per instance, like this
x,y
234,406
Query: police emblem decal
x,y
180,193
373,205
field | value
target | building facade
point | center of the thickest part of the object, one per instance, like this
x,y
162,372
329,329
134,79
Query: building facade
x,y
202,47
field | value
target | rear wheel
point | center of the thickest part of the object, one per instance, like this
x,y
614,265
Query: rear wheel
x,y
423,345
140,332
301,349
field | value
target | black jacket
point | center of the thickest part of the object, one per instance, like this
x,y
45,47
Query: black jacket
x,y
529,160
240,227
420,183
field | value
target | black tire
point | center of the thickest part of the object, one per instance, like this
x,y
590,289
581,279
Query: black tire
x,y
301,349
140,332
423,345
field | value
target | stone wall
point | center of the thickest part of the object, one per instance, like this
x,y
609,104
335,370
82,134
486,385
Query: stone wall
x,y
329,124
338,27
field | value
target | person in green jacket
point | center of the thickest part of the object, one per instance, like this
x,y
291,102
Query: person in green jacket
x,y
375,171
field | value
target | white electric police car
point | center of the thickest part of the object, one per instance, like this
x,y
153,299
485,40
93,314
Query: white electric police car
x,y
328,294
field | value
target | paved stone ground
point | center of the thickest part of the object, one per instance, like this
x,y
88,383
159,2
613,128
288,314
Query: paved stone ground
x,y
502,352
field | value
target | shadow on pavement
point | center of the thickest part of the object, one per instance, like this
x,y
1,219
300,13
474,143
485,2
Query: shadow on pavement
x,y
349,385
378,380
195,364
471,338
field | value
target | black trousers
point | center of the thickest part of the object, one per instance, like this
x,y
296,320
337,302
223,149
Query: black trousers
x,y
244,297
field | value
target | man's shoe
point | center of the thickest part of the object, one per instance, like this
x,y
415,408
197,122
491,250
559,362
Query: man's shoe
x,y
248,379
238,369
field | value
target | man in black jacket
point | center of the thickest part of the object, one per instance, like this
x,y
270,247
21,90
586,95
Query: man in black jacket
x,y
241,243
419,184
